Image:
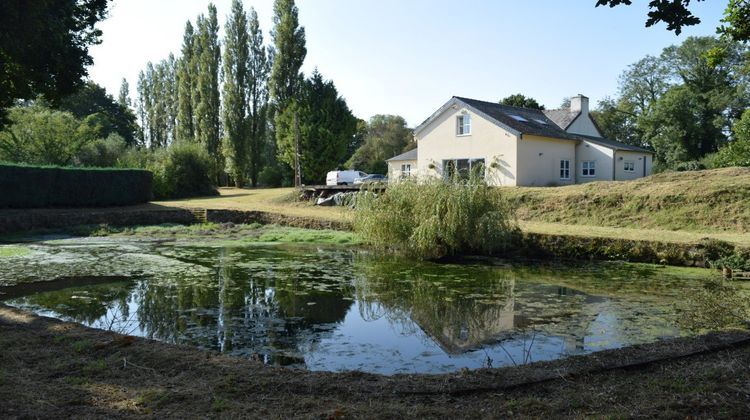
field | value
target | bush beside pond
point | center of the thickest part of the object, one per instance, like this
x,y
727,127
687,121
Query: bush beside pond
x,y
434,218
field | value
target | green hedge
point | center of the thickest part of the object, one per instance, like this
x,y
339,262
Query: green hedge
x,y
45,186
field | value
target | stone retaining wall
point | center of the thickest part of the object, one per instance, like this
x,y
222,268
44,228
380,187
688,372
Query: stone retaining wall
x,y
12,221
265,218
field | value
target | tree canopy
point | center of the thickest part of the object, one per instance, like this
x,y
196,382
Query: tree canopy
x,y
677,15
44,47
682,103
325,125
92,103
522,101
385,136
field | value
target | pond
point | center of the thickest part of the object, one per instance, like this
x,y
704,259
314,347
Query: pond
x,y
340,308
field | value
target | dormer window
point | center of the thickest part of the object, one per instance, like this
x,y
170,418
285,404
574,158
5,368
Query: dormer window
x,y
463,125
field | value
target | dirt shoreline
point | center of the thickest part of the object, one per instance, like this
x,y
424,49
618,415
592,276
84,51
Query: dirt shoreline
x,y
50,368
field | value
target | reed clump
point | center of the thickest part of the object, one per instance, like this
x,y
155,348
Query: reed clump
x,y
435,218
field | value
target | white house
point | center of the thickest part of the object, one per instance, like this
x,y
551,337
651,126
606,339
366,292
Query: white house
x,y
519,146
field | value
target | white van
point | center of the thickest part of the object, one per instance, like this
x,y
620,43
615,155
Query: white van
x,y
343,177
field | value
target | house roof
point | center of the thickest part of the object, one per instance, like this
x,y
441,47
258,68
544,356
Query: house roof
x,y
410,155
613,144
562,117
533,121
551,123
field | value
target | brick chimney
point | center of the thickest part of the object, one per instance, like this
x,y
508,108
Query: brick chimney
x,y
579,103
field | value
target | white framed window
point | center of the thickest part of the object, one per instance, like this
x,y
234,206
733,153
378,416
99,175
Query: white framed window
x,y
405,170
463,125
565,169
629,166
463,168
588,168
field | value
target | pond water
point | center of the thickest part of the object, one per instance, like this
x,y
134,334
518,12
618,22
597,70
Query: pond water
x,y
324,308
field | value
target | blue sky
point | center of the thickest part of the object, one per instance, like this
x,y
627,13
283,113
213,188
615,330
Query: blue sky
x,y
408,57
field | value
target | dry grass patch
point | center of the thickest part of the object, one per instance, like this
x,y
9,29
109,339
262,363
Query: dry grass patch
x,y
272,200
698,201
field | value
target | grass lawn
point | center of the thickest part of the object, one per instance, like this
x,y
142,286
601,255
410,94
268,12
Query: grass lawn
x,y
283,201
272,200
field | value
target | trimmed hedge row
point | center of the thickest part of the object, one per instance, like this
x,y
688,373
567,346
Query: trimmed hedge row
x,y
38,186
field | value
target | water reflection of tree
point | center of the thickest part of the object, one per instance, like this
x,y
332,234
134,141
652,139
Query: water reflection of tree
x,y
86,305
461,308
268,308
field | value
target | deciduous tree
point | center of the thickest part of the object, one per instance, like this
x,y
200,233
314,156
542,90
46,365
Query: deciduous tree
x,y
289,53
522,101
207,113
259,67
235,76
44,47
186,87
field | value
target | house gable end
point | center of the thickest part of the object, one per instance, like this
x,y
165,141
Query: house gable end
x,y
457,103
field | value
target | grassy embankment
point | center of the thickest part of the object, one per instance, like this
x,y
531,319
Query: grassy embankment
x,y
682,207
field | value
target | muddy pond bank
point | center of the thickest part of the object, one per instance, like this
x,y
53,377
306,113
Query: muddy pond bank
x,y
50,368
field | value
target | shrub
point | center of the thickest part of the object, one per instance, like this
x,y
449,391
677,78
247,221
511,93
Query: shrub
x,y
270,176
102,153
185,171
692,165
435,218
37,186
735,153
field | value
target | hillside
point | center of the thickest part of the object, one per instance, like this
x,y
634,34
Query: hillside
x,y
696,201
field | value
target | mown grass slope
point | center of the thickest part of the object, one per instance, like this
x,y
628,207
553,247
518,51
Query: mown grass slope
x,y
697,201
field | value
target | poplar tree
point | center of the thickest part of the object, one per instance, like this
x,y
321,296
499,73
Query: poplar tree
x,y
235,77
289,53
208,55
124,97
169,81
259,67
185,87
144,107
157,116
286,79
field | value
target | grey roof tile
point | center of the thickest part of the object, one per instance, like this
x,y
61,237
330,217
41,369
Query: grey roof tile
x,y
410,155
613,144
562,117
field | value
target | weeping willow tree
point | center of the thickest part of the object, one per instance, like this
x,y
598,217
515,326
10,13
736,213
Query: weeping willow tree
x,y
436,218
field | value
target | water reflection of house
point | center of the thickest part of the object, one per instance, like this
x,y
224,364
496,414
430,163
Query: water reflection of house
x,y
461,326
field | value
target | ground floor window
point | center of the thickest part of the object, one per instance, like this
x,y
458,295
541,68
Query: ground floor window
x,y
629,166
463,168
564,169
588,168
405,170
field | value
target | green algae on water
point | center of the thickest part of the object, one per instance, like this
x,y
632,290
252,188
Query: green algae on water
x,y
7,251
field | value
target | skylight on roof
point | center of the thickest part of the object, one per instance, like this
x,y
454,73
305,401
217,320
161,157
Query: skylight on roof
x,y
541,121
518,118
